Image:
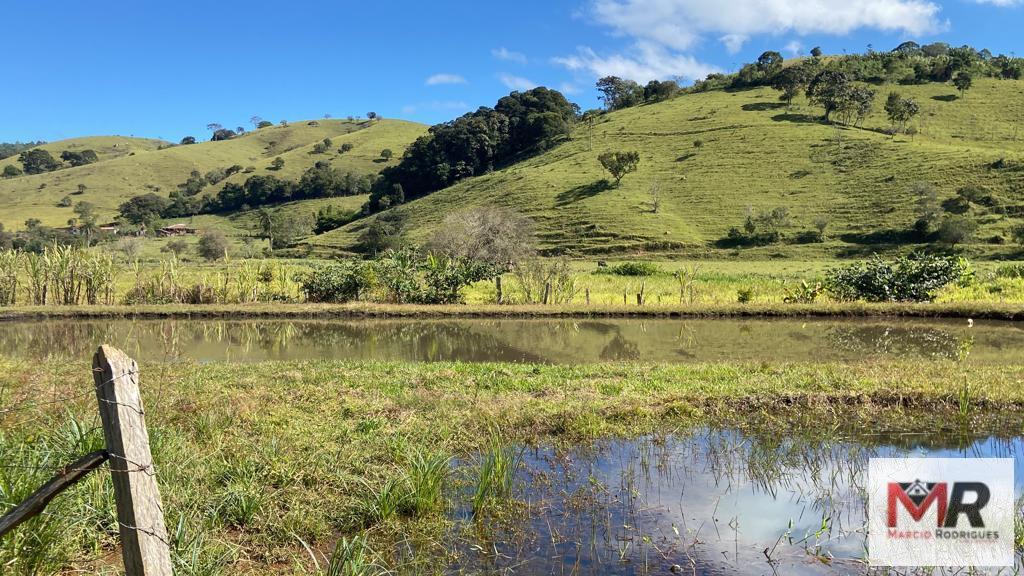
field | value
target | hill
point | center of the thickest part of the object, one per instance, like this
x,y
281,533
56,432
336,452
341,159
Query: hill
x,y
712,156
128,167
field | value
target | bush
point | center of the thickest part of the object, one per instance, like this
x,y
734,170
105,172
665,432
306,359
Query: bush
x,y
213,245
10,171
914,278
631,269
1010,271
342,282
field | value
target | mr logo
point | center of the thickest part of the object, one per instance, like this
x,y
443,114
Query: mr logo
x,y
917,497
940,512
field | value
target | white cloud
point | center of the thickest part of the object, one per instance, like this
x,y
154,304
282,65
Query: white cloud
x,y
794,48
435,106
506,54
644,62
680,24
1000,3
438,79
517,82
568,88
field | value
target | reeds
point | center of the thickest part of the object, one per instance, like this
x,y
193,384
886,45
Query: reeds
x,y
496,474
59,275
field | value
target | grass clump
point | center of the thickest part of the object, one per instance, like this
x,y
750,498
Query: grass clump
x,y
496,475
632,269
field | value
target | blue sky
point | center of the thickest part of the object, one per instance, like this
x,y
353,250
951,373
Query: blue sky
x,y
166,69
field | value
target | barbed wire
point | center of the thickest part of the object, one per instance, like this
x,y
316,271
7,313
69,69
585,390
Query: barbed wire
x,y
78,396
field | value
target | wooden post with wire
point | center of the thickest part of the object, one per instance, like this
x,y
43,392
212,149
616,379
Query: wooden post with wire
x,y
144,542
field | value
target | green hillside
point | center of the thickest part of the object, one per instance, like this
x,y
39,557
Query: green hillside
x,y
129,167
714,155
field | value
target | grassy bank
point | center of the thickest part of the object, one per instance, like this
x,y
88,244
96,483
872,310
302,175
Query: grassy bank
x,y
975,310
256,460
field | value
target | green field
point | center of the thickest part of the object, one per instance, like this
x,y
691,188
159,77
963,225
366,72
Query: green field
x,y
136,167
259,461
753,153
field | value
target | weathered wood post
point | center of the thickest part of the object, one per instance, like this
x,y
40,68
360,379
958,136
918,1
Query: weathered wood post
x,y
497,287
547,293
588,296
144,542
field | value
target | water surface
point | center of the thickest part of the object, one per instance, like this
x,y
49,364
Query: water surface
x,y
517,340
711,502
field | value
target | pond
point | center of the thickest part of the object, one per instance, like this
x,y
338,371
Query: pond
x,y
562,341
708,502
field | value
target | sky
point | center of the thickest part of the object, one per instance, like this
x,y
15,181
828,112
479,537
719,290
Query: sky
x,y
167,69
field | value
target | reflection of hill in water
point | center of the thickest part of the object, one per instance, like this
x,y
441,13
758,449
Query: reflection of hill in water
x,y
542,340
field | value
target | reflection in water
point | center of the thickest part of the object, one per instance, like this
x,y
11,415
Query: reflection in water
x,y
716,502
510,340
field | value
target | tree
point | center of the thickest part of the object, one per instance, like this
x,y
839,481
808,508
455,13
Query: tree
x,y
371,116
963,82
265,225
346,147
213,126
264,124
144,209
386,154
769,63
10,171
816,52
900,110
256,121
618,164
492,236
617,93
38,161
277,163
223,134
187,140
213,245
79,158
957,229
830,89
287,228
656,91
791,81
655,193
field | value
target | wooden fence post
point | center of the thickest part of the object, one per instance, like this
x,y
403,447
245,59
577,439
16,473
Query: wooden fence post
x,y
144,542
497,288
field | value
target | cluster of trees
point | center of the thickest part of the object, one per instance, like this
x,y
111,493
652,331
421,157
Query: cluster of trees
x,y
521,123
618,93
39,161
319,181
908,63
8,149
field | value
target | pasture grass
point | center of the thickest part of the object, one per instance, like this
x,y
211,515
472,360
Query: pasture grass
x,y
302,467
754,155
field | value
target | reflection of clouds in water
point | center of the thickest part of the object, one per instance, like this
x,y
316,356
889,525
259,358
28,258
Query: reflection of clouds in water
x,y
616,506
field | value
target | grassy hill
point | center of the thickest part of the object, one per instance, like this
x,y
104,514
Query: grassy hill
x,y
714,155
129,167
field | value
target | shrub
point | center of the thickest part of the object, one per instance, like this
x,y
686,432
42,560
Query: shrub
x,y
213,245
744,295
10,171
914,278
803,294
631,269
342,282
1010,271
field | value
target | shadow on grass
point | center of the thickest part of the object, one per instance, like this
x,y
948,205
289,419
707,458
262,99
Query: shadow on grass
x,y
946,98
582,192
886,236
797,118
763,106
686,157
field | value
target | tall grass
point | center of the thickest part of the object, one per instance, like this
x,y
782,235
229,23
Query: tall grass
x,y
496,474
